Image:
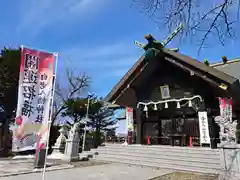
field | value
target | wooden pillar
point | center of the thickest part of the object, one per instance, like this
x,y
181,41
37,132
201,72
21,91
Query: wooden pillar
x,y
1,138
138,127
159,131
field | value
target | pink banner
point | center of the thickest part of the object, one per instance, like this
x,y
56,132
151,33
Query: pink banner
x,y
129,125
225,105
129,118
34,96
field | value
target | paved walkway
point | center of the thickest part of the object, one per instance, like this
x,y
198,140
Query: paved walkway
x,y
100,172
10,166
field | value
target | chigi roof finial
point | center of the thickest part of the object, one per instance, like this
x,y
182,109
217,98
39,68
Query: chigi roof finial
x,y
149,38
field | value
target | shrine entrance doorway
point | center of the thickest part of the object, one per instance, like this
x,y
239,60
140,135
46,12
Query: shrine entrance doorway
x,y
174,131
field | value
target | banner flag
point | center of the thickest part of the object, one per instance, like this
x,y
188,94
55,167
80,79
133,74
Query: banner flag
x,y
203,128
129,119
225,105
34,97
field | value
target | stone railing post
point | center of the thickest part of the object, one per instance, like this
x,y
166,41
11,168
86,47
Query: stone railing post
x,y
72,144
59,146
230,150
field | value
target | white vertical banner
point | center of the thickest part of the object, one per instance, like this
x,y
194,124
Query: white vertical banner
x,y
34,97
203,128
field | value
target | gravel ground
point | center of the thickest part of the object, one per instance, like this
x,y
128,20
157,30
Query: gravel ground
x,y
101,172
10,166
186,176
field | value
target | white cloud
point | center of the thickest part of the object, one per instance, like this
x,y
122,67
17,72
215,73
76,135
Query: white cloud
x,y
105,64
111,59
83,5
36,15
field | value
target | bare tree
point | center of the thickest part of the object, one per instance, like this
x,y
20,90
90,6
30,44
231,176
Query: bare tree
x,y
74,87
202,19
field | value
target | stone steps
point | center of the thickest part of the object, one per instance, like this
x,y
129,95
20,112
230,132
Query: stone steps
x,y
192,150
178,158
164,161
159,165
172,152
167,156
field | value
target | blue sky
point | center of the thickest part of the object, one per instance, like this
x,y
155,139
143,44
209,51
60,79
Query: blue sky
x,y
92,36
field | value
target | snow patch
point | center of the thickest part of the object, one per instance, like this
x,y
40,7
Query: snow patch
x,y
24,157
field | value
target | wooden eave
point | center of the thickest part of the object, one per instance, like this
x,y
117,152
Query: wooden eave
x,y
220,63
201,67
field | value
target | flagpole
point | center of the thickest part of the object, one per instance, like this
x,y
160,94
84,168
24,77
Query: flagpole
x,y
126,126
85,126
50,116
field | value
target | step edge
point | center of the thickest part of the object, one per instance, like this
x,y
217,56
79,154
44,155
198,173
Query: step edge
x,y
199,164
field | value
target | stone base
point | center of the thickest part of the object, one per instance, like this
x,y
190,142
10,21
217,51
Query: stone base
x,y
60,156
40,161
58,150
57,155
228,145
71,159
85,156
230,157
71,151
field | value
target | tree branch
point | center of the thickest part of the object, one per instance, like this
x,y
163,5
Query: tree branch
x,y
212,25
76,84
199,23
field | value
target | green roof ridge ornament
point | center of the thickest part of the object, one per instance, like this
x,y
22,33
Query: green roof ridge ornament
x,y
153,44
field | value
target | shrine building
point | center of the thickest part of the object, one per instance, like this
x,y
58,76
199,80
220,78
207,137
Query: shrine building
x,y
167,89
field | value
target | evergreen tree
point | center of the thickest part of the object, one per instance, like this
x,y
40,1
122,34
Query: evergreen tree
x,y
9,76
100,119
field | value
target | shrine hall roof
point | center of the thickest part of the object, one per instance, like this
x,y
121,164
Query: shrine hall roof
x,y
178,59
231,67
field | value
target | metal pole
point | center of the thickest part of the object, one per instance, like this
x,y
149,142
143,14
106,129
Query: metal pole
x,y
85,124
105,134
50,116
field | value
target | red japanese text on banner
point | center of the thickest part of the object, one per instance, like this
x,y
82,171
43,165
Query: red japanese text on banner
x,y
34,97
